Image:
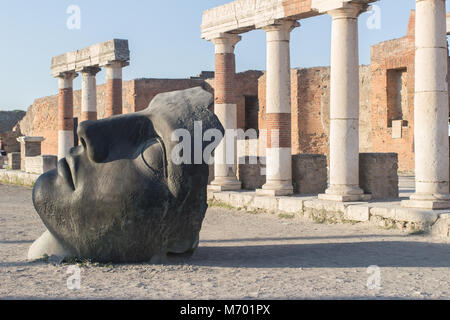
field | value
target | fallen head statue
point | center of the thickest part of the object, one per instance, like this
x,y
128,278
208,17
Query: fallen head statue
x,y
119,196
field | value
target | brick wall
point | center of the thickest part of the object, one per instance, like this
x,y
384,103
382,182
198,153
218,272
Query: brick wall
x,y
41,118
386,59
310,94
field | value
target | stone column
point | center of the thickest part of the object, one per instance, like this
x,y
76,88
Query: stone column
x,y
89,94
225,107
278,110
65,113
344,106
113,88
431,108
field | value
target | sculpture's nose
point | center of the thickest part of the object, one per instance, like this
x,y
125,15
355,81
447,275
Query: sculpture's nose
x,y
94,138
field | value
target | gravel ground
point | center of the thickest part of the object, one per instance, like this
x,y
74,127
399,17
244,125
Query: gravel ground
x,y
241,256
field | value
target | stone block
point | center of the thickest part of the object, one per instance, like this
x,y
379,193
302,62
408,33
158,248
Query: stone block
x,y
290,204
250,172
357,213
14,161
309,173
378,175
40,164
265,203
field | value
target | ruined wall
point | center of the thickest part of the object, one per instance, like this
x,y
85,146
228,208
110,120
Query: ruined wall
x,y
8,136
246,84
41,118
310,92
392,65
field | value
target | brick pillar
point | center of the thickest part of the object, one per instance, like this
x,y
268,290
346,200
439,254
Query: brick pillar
x,y
431,108
344,106
113,88
89,94
278,110
65,113
225,155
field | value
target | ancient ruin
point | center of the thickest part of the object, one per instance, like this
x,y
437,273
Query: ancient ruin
x,y
113,56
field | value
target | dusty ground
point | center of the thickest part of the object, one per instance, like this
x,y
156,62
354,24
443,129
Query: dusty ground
x,y
241,256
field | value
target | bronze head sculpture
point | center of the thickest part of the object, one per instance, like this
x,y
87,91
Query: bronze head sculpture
x,y
118,196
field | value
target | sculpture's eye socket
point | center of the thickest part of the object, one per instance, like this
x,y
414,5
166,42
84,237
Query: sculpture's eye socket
x,y
153,156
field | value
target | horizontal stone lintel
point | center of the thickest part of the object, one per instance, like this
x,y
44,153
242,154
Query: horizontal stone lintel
x,y
241,16
97,55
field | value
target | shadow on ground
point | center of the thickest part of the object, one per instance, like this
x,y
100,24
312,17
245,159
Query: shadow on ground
x,y
325,255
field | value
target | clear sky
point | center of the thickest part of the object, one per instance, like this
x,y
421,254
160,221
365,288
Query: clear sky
x,y
164,39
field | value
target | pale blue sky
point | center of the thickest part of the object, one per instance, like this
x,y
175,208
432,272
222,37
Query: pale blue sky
x,y
164,40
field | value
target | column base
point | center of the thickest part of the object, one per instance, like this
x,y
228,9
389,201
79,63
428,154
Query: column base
x,y
276,190
344,193
428,201
426,204
225,185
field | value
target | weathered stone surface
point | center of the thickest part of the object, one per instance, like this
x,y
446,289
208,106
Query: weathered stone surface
x,y
99,54
309,173
378,174
250,173
40,164
14,161
127,200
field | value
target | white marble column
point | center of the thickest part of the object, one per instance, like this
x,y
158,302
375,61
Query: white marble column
x,y
225,108
431,108
278,110
89,93
65,113
344,106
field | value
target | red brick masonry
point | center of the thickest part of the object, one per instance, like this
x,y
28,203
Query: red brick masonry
x,y
65,109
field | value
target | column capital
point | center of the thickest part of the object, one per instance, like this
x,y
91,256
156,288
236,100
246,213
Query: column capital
x,y
116,64
68,75
281,30
225,42
92,71
350,10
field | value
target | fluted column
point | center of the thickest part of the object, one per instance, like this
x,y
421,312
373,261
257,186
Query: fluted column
x,y
278,110
225,107
89,93
113,88
65,113
431,108
344,106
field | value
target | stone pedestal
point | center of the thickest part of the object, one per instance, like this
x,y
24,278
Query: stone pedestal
x,y
225,155
251,172
278,110
344,106
431,108
309,173
29,147
14,160
378,175
40,164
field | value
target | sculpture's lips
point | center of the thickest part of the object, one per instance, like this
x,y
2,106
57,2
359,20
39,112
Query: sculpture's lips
x,y
64,171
